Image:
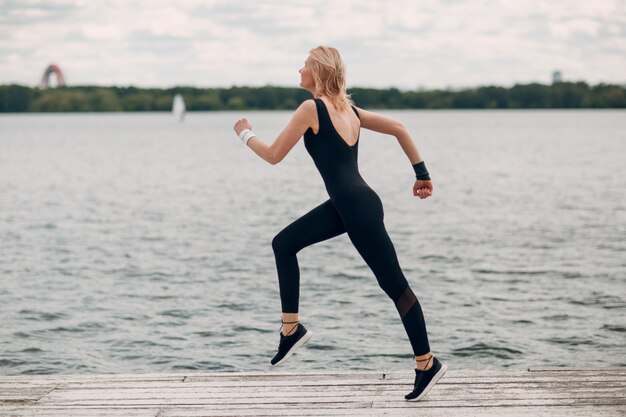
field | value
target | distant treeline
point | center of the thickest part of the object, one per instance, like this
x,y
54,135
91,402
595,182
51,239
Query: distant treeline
x,y
568,95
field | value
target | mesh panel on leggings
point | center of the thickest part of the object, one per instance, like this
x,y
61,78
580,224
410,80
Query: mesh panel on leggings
x,y
406,301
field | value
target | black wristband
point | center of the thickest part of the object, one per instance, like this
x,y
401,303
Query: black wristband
x,y
421,173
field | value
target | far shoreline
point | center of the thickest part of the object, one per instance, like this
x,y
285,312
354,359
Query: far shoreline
x,y
558,96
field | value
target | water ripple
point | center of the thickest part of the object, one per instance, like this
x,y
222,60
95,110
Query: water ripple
x,y
486,350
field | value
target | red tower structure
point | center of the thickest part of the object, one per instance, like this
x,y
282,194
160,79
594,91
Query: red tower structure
x,y
45,80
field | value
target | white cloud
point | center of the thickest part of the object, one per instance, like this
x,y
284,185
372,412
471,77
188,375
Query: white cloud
x,y
430,43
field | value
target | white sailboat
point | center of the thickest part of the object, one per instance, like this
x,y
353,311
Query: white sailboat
x,y
178,107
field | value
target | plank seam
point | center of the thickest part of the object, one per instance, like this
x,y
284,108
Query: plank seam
x,y
44,395
368,405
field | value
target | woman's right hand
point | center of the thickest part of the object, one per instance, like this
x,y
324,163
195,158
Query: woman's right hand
x,y
423,188
241,125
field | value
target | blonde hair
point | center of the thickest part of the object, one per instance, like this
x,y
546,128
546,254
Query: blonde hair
x,y
329,74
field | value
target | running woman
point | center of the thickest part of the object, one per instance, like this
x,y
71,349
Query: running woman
x,y
331,124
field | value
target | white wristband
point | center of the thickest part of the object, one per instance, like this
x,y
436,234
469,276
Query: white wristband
x,y
245,135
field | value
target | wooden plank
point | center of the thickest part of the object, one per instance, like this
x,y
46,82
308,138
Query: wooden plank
x,y
345,386
47,379
202,390
315,375
495,399
175,411
614,373
82,412
264,375
240,375
199,412
410,412
183,392
447,381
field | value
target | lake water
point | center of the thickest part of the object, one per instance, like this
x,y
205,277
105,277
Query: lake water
x,y
134,243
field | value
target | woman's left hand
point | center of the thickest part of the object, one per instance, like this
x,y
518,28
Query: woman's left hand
x,y
423,188
242,124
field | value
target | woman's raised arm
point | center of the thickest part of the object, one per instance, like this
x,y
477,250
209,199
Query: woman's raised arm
x,y
387,125
286,140
423,187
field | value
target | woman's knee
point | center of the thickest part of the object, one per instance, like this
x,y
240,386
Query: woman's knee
x,y
281,243
395,288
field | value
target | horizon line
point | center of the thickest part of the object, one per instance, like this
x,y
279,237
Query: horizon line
x,y
401,89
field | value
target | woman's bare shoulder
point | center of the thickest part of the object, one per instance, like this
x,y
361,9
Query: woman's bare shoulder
x,y
307,104
307,110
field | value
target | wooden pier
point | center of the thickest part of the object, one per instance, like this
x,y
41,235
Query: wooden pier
x,y
502,393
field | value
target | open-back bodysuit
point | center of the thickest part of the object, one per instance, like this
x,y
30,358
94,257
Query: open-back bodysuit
x,y
354,208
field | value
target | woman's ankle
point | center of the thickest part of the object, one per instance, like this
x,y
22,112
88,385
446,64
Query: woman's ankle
x,y
289,329
289,323
424,362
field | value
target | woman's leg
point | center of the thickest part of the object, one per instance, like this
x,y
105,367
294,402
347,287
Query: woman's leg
x,y
376,248
321,223
367,232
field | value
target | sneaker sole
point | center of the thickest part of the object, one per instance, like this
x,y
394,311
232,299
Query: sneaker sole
x,y
295,347
432,382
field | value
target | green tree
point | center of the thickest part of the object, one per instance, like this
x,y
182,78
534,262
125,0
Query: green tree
x,y
15,98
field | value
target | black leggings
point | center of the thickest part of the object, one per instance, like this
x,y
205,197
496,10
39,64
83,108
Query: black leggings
x,y
365,228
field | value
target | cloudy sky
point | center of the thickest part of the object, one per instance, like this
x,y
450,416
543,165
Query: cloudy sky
x,y
405,43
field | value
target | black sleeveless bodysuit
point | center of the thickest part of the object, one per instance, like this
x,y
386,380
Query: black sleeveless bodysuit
x,y
353,208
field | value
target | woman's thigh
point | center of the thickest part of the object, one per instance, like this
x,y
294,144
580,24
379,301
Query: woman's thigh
x,y
319,224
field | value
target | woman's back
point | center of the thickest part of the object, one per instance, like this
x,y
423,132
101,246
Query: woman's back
x,y
334,157
346,123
